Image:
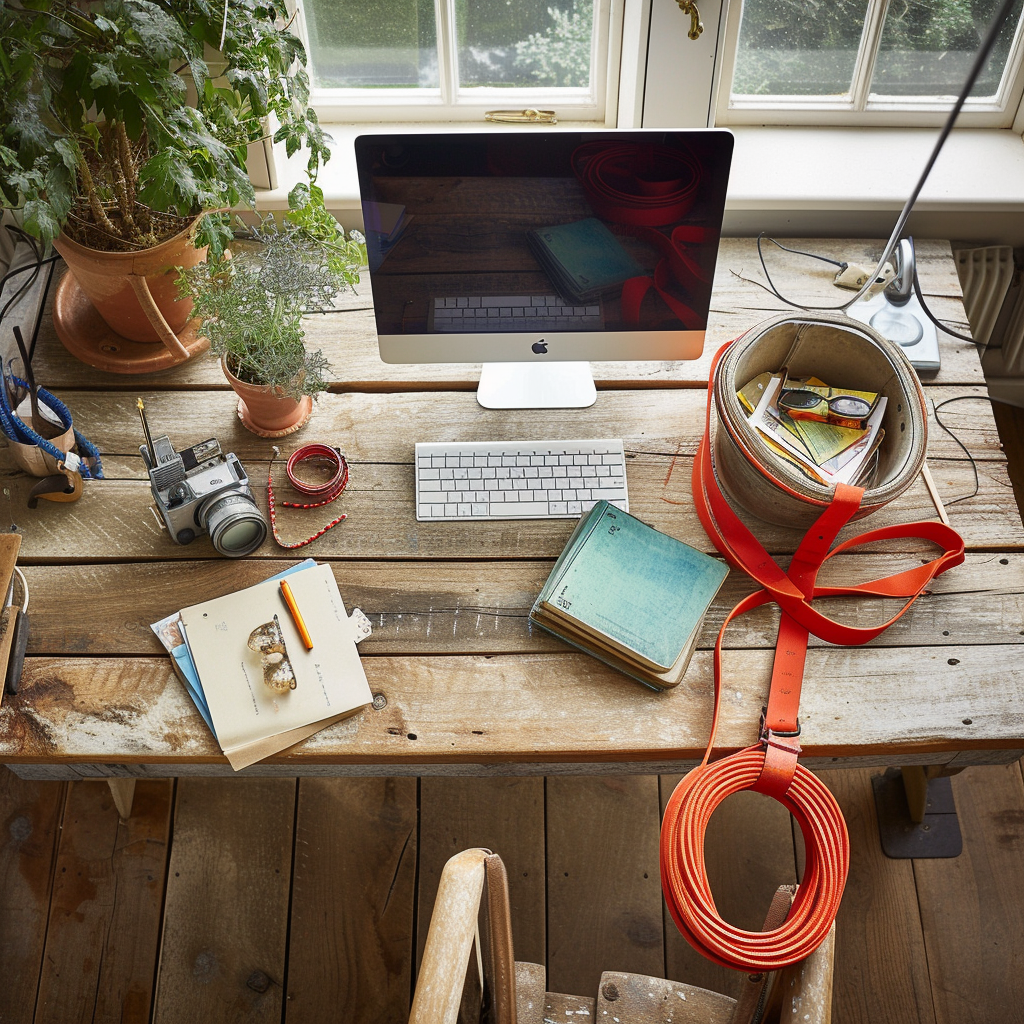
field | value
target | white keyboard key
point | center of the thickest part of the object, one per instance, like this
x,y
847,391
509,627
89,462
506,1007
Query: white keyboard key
x,y
518,509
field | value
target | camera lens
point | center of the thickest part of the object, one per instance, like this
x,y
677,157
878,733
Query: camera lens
x,y
235,524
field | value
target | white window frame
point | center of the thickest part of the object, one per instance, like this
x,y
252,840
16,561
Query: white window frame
x,y
442,104
862,108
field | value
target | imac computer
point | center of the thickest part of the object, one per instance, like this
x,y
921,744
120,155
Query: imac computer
x,y
535,252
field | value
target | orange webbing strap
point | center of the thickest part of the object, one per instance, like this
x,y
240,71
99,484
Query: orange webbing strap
x,y
771,766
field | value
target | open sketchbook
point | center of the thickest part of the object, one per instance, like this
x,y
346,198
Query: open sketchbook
x,y
226,678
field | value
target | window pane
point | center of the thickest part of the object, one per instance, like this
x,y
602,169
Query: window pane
x,y
927,48
505,43
797,49
380,44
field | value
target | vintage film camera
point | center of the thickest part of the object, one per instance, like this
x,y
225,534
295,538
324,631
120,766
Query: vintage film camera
x,y
202,490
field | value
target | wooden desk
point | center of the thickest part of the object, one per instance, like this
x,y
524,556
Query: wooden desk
x,y
469,688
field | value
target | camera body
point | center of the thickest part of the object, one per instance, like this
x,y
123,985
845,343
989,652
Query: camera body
x,y
202,490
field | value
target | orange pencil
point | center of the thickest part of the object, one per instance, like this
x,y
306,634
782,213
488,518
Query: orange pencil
x,y
289,599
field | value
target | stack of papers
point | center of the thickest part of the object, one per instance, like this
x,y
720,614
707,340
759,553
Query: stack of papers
x,y
225,676
826,453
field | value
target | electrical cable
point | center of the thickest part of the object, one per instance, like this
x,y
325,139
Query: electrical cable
x,y
962,446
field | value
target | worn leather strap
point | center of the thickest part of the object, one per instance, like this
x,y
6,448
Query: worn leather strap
x,y
771,765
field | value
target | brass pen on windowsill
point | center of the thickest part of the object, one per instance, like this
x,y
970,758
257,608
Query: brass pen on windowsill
x,y
289,599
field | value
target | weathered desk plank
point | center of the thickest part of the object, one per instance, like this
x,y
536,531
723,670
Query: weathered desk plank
x,y
481,607
541,710
470,687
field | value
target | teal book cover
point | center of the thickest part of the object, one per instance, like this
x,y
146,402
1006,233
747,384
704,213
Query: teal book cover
x,y
640,588
583,259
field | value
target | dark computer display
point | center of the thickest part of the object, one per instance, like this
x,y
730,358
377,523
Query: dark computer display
x,y
516,245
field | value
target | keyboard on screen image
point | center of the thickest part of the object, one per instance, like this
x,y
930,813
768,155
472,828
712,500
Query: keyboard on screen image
x,y
464,313
518,479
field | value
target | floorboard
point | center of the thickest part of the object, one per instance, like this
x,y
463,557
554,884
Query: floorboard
x,y
226,909
104,926
352,901
31,814
971,905
604,885
498,814
881,970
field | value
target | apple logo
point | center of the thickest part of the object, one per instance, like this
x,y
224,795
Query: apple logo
x,y
540,347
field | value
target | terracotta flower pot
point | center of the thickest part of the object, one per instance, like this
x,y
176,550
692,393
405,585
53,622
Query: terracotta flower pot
x,y
268,411
135,294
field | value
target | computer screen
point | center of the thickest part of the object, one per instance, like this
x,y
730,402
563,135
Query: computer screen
x,y
540,246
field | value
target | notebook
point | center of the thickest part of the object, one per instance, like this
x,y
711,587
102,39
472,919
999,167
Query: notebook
x,y
630,595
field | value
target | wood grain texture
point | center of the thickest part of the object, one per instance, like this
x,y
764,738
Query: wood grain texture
x,y
104,927
483,607
222,954
353,900
604,886
383,428
504,815
881,969
971,907
749,853
504,708
112,520
31,815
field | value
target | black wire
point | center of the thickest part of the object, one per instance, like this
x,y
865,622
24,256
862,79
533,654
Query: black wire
x,y
775,291
812,255
931,316
963,447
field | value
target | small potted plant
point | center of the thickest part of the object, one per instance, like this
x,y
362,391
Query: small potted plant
x,y
250,304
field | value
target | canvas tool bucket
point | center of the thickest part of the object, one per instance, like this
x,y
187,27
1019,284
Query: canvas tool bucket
x,y
844,353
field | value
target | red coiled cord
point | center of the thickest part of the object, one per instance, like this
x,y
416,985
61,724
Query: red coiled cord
x,y
325,492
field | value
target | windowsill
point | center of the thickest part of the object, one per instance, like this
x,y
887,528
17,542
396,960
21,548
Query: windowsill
x,y
816,181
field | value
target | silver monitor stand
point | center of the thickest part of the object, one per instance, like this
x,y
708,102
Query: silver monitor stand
x,y
536,385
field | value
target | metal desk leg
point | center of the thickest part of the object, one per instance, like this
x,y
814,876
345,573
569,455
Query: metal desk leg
x,y
916,813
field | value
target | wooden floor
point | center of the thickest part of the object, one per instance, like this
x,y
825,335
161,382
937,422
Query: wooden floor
x,y
269,900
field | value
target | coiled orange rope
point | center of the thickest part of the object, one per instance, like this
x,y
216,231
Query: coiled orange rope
x,y
770,766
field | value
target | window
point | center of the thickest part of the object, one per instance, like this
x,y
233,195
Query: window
x,y
455,59
865,62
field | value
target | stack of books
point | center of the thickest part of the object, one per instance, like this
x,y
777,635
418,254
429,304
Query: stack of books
x,y
262,676
630,595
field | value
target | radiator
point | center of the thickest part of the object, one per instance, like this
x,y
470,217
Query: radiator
x,y
985,276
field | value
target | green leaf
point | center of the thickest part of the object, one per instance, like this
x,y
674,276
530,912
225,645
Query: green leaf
x,y
299,196
39,221
103,74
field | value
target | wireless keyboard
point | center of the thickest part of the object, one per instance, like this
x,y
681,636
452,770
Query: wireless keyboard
x,y
518,479
464,313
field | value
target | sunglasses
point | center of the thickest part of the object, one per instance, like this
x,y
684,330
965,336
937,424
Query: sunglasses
x,y
840,410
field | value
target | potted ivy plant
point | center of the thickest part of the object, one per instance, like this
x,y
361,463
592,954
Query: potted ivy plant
x,y
124,126
250,303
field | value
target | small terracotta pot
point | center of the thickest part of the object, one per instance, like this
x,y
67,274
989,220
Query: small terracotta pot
x,y
268,411
136,293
